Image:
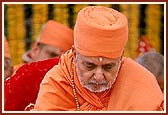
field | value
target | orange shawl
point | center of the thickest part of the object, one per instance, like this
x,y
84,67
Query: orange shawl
x,y
134,89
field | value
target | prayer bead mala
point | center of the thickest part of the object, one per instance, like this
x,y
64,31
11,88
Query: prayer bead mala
x,y
73,87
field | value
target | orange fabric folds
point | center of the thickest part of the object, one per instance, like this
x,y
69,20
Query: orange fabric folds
x,y
57,34
6,49
56,92
130,92
100,31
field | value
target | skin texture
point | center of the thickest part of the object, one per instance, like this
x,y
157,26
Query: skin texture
x,y
43,52
96,74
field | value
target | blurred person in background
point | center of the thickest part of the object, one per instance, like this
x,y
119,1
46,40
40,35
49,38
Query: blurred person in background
x,y
8,69
53,40
21,88
154,62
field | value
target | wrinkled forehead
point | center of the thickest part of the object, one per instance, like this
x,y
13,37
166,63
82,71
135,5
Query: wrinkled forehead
x,y
96,59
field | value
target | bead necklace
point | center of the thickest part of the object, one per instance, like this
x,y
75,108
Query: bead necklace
x,y
73,87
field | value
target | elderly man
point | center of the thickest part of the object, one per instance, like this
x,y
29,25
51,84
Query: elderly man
x,y
94,75
22,87
53,40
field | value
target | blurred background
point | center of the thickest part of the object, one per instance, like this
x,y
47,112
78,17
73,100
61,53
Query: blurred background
x,y
22,23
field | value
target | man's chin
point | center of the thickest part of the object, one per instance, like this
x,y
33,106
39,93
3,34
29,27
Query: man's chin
x,y
95,89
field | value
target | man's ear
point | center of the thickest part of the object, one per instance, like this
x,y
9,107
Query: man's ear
x,y
73,51
34,47
34,51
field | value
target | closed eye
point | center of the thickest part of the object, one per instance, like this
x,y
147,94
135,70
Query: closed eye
x,y
108,66
90,66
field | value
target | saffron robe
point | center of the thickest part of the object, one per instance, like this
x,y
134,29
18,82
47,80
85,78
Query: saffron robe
x,y
135,89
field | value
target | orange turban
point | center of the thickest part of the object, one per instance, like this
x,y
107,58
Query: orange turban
x,y
100,31
57,34
6,49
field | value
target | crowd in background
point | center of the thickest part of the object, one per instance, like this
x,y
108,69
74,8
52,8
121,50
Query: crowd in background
x,y
22,28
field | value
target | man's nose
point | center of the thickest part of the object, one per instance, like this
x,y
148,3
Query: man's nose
x,y
98,75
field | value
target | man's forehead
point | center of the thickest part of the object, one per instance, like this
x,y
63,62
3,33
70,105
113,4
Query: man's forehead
x,y
92,59
52,48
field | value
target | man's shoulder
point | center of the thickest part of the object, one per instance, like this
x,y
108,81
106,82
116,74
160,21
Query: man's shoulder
x,y
132,66
136,83
132,70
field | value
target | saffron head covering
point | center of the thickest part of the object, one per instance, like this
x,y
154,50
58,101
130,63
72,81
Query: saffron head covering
x,y
6,49
56,34
100,31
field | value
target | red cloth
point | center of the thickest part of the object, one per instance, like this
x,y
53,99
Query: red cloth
x,y
22,88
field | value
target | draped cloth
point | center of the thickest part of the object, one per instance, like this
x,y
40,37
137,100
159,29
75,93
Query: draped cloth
x,y
22,88
100,31
135,89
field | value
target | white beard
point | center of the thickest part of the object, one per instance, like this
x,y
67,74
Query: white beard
x,y
100,89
